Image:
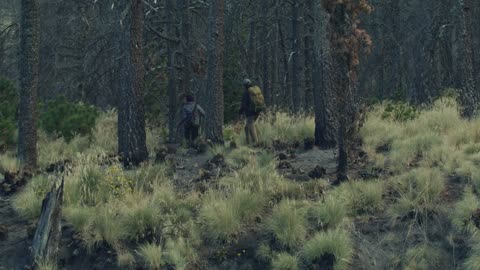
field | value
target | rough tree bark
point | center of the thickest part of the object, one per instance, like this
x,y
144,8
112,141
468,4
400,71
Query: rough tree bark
x,y
172,74
296,89
346,42
131,112
266,83
216,50
323,105
29,61
469,95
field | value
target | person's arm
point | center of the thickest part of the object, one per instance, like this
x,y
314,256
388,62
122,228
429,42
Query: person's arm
x,y
201,110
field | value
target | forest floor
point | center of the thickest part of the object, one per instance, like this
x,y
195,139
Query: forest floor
x,y
16,233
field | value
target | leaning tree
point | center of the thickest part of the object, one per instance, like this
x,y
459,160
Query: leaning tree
x,y
347,41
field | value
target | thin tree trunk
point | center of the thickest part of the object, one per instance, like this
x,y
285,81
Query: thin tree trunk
x,y
29,62
172,74
216,50
470,94
131,111
265,52
296,94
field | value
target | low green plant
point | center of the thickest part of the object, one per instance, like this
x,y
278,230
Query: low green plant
x,y
336,243
424,256
8,111
180,254
330,213
419,193
364,197
288,224
399,111
68,119
152,254
285,261
464,211
29,201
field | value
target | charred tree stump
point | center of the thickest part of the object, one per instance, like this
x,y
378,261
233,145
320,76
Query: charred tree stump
x,y
47,236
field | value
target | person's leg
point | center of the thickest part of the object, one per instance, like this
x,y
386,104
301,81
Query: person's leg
x,y
186,133
254,130
250,129
194,135
247,131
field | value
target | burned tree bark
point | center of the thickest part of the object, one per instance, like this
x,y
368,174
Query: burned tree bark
x,y
172,80
29,61
296,89
322,96
216,50
131,113
46,241
346,42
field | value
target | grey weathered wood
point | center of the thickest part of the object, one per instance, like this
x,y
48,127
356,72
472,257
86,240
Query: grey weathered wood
x,y
49,230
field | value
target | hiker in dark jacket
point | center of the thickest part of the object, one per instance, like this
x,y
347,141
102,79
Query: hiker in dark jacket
x,y
249,113
191,118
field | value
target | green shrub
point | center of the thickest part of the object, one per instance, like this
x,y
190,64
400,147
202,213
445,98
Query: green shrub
x,y
285,261
424,256
336,243
288,224
68,119
400,112
364,197
8,111
327,214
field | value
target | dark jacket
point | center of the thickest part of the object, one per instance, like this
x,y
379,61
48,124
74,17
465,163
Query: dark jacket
x,y
246,106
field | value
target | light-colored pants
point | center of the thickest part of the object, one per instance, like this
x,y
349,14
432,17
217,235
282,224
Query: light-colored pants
x,y
251,130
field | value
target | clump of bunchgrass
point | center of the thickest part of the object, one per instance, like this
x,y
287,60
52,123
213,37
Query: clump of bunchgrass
x,y
288,224
329,213
181,254
424,256
464,211
8,163
223,217
364,197
152,255
285,261
28,203
419,193
336,243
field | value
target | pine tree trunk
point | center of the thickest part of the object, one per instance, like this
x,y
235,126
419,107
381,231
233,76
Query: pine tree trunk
x,y
266,83
325,132
131,111
469,96
216,50
296,89
341,27
172,74
29,62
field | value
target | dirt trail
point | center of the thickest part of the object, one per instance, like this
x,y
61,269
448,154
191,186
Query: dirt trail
x,y
14,247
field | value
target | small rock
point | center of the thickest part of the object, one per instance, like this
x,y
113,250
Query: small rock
x,y
476,218
3,232
171,149
279,145
308,144
284,165
31,230
296,144
233,145
161,154
201,147
282,156
10,178
298,171
76,252
317,173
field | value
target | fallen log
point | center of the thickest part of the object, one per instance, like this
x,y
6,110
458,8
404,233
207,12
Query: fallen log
x,y
47,235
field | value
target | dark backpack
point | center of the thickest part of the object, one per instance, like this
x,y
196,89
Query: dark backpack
x,y
193,117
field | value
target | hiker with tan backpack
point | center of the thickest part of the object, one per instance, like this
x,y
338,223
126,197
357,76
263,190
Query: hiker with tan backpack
x,y
253,103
